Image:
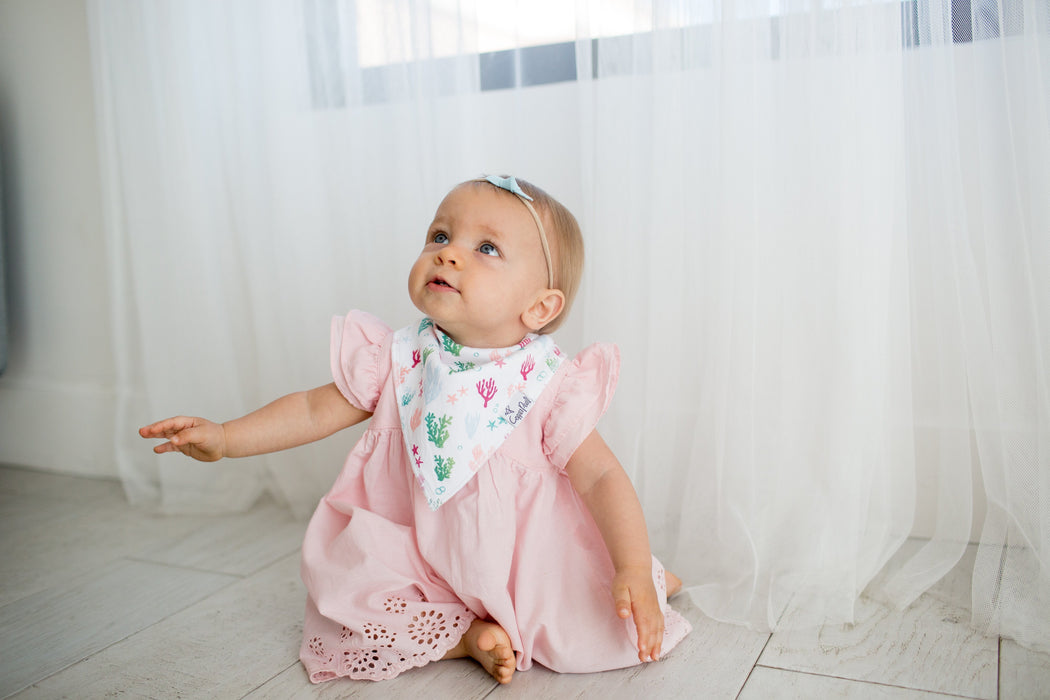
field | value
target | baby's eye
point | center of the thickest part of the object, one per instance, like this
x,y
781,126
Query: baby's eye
x,y
488,249
440,238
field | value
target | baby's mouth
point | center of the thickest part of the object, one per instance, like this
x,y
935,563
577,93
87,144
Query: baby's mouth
x,y
437,281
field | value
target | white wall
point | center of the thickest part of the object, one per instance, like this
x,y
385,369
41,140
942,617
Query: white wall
x,y
56,396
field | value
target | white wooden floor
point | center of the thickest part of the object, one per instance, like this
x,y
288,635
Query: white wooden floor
x,y
98,599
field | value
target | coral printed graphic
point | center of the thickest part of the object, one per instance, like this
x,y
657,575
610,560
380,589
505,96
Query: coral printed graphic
x,y
431,382
437,429
478,457
471,422
450,345
443,470
487,390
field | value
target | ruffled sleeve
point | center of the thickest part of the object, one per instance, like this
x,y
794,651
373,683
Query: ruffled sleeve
x,y
583,396
359,366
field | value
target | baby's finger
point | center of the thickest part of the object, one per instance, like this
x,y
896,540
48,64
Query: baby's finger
x,y
622,598
165,447
165,428
189,436
151,430
656,641
645,640
650,633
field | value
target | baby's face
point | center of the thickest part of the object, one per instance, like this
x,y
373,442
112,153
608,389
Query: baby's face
x,y
482,267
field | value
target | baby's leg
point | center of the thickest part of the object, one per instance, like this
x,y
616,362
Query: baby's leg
x,y
489,645
674,584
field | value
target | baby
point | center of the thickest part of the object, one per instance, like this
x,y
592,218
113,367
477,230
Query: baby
x,y
481,514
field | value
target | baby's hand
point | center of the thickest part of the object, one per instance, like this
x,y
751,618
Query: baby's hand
x,y
635,594
194,437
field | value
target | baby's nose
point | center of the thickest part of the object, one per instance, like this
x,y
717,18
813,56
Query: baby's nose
x,y
450,255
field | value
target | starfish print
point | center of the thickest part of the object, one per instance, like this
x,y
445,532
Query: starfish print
x,y
452,398
419,462
499,362
492,425
463,391
415,450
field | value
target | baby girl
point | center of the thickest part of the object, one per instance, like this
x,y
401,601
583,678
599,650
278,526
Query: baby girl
x,y
481,514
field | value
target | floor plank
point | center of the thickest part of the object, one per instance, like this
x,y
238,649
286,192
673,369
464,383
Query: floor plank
x,y
46,541
1023,674
238,544
929,646
462,679
43,633
775,684
224,646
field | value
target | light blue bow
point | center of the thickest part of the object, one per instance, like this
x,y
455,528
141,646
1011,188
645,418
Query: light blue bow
x,y
509,184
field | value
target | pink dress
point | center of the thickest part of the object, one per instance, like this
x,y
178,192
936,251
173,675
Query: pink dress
x,y
393,585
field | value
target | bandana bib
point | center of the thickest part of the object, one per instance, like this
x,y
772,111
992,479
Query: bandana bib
x,y
457,404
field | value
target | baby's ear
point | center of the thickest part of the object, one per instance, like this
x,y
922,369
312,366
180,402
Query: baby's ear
x,y
548,304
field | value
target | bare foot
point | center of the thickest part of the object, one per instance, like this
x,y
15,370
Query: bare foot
x,y
488,644
674,584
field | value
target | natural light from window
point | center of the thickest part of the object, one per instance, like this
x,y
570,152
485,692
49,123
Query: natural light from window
x,y
455,27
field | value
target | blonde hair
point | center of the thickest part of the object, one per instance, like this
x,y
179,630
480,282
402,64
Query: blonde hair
x,y
566,245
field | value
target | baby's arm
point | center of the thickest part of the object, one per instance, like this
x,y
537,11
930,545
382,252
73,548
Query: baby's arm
x,y
607,492
291,420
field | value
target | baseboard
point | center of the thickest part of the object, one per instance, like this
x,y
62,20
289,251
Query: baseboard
x,y
57,427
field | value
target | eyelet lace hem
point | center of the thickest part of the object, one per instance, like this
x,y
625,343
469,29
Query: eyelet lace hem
x,y
413,637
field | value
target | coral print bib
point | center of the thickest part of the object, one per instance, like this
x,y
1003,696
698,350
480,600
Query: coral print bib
x,y
458,404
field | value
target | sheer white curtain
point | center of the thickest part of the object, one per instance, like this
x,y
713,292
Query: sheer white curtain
x,y
819,231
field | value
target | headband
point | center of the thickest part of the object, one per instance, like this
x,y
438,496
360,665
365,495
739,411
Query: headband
x,y
512,186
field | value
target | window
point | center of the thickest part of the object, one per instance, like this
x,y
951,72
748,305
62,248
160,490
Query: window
x,y
522,44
